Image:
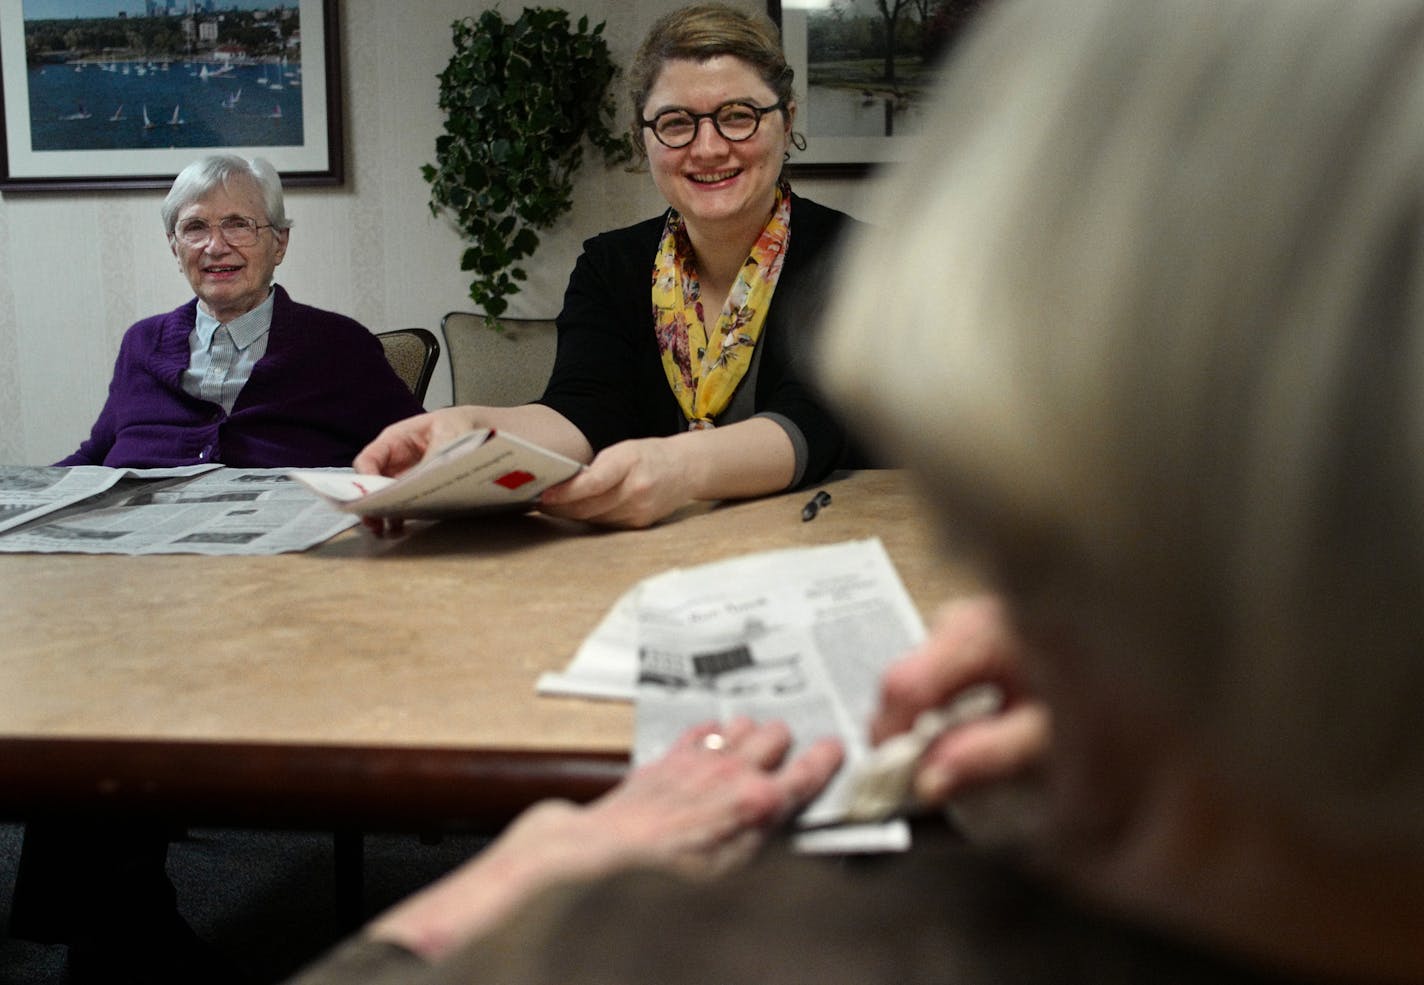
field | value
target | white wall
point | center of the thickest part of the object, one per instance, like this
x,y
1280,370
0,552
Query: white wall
x,y
77,269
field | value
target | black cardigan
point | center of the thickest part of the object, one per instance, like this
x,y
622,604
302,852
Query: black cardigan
x,y
608,377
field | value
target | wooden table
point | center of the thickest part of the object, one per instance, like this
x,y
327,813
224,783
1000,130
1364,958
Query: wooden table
x,y
362,682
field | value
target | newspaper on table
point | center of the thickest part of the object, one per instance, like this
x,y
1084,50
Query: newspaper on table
x,y
203,509
28,492
799,635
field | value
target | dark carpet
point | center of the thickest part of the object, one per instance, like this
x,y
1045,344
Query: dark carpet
x,y
265,900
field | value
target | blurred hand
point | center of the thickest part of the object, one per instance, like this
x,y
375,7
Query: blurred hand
x,y
695,811
969,643
404,444
631,484
702,812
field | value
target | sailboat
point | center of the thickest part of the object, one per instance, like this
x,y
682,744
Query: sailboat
x,y
147,123
80,114
118,114
276,113
231,101
175,121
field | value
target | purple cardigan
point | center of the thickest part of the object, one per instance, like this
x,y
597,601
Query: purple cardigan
x,y
318,395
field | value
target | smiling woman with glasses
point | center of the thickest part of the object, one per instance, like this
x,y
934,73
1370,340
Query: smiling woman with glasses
x,y
679,373
242,374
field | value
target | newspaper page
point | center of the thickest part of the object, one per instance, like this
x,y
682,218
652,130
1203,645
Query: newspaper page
x,y
799,635
28,492
606,662
225,511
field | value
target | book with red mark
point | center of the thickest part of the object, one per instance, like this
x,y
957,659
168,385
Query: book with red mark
x,y
476,473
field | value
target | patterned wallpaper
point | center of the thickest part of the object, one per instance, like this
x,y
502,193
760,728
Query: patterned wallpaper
x,y
10,418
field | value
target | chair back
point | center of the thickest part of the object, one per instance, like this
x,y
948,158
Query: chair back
x,y
412,353
498,367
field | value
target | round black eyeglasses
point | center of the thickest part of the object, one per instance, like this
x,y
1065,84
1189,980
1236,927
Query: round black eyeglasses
x,y
734,121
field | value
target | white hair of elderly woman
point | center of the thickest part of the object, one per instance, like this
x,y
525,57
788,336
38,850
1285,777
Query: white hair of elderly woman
x,y
1158,348
199,178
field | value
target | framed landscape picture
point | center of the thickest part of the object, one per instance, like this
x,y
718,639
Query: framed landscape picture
x,y
864,69
105,94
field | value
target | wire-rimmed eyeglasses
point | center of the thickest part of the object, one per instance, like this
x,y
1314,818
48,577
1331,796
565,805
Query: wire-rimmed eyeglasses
x,y
735,121
237,230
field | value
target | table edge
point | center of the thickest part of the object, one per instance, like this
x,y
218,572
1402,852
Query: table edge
x,y
271,785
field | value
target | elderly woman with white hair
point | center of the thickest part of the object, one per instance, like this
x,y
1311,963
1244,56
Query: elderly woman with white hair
x,y
242,374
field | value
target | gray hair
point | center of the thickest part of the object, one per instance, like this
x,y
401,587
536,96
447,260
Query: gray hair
x,y
202,176
1147,312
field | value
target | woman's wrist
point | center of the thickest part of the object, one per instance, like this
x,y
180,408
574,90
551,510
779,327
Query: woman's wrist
x,y
750,458
552,842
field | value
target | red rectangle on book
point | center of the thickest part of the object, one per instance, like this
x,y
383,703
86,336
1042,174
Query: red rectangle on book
x,y
515,479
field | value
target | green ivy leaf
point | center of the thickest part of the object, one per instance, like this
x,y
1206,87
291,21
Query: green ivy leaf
x,y
526,241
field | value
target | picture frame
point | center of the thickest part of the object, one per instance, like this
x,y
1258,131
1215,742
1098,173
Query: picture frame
x,y
853,115
104,114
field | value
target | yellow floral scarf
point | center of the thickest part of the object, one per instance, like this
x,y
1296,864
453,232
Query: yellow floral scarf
x,y
704,367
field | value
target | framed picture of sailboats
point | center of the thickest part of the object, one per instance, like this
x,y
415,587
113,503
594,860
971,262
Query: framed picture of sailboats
x,y
118,94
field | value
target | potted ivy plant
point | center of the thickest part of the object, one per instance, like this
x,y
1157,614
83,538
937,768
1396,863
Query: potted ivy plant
x,y
519,99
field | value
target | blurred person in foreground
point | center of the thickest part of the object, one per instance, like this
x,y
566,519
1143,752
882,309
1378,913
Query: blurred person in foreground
x,y
683,354
1146,310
